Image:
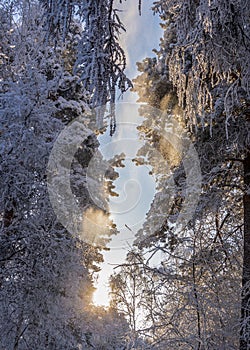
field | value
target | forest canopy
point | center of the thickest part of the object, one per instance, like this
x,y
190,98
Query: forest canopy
x,y
60,60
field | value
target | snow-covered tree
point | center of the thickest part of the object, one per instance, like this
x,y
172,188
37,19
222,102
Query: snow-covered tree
x,y
46,280
200,76
129,295
206,48
101,61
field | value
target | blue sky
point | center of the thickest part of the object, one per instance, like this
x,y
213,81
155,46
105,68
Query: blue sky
x,y
142,35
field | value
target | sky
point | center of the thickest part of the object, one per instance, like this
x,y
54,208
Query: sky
x,y
142,34
135,186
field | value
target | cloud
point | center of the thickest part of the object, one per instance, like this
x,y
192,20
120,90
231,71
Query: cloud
x,y
142,32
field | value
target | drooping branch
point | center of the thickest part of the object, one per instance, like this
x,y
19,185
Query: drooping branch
x,y
101,61
207,56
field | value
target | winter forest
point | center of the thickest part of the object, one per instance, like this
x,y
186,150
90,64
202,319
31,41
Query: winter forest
x,y
185,281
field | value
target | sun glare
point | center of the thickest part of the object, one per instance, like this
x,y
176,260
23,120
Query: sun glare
x,y
101,295
95,225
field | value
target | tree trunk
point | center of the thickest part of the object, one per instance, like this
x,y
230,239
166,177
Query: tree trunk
x,y
245,303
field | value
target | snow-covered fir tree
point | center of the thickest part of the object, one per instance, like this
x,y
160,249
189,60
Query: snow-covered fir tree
x,y
47,274
200,77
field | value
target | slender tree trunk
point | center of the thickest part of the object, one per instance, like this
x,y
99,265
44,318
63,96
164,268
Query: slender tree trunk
x,y
18,332
197,308
245,305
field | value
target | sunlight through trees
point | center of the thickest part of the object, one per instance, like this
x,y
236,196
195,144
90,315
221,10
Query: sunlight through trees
x,y
185,283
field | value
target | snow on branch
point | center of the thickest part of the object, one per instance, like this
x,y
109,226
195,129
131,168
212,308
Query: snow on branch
x,y
207,56
101,61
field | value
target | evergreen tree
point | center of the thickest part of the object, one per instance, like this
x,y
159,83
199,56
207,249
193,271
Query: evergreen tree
x,y
101,61
201,78
46,280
